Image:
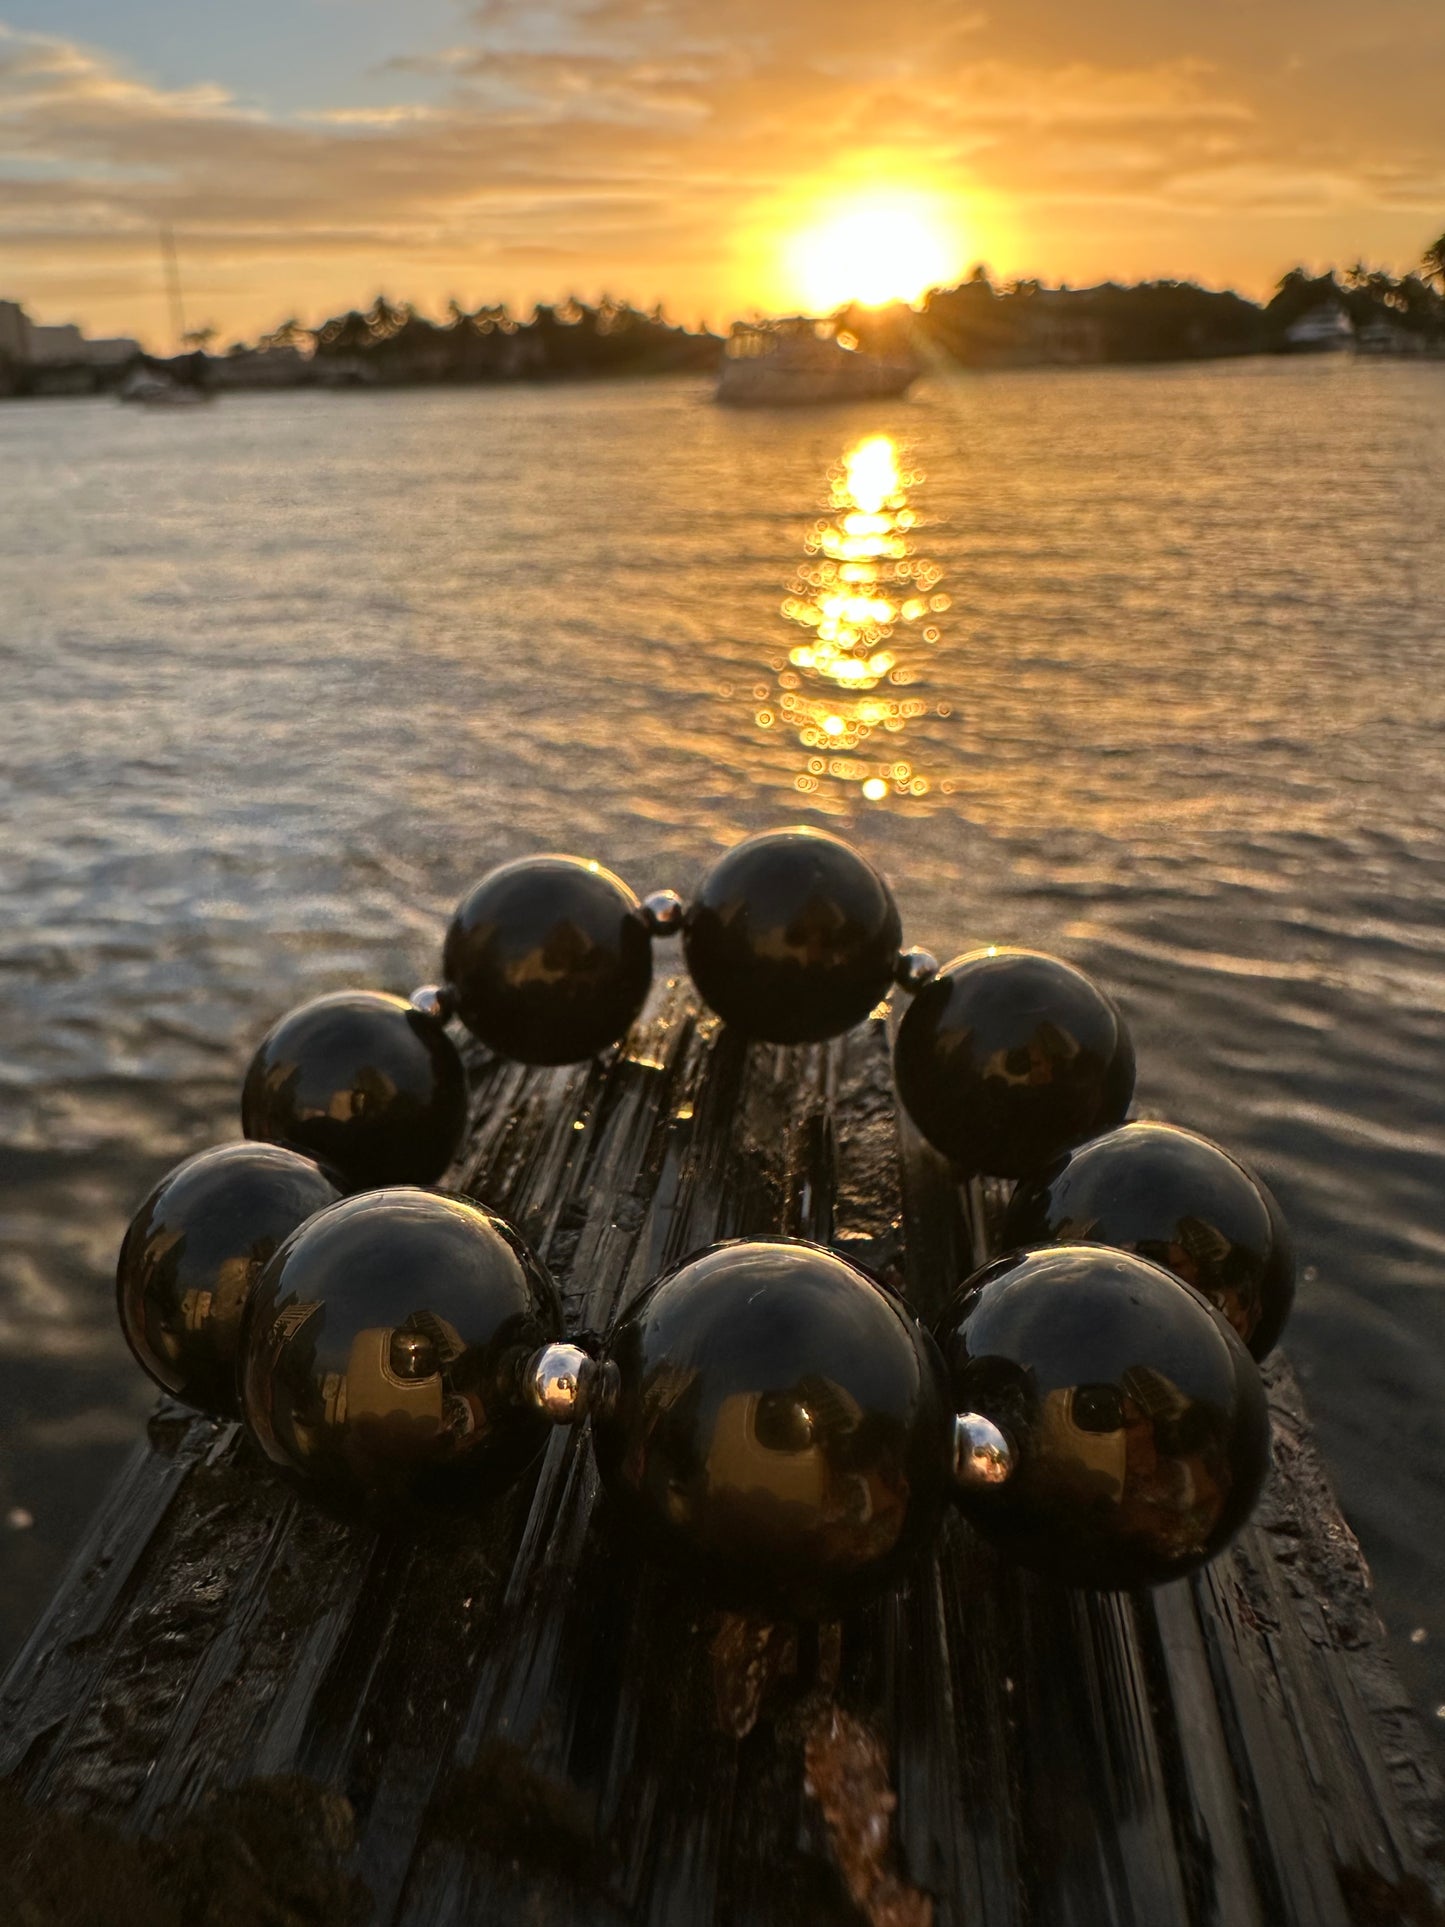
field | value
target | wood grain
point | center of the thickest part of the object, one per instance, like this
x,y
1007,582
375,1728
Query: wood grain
x,y
501,1718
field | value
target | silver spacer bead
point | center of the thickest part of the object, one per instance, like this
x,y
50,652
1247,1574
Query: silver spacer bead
x,y
983,1455
914,969
560,1380
434,1000
664,911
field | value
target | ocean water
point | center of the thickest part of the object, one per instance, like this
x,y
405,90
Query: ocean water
x,y
1143,666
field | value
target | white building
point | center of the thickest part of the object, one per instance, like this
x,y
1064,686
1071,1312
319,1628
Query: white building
x,y
14,331
64,342
23,340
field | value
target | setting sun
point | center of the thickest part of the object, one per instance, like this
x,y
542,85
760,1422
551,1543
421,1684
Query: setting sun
x,y
879,247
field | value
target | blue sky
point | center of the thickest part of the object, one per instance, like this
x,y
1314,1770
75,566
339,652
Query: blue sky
x,y
286,55
310,152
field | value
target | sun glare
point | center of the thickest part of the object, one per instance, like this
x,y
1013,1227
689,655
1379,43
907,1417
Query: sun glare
x,y
876,248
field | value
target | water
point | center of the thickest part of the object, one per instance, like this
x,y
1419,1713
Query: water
x,y
281,677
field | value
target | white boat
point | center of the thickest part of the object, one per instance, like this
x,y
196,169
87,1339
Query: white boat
x,y
1320,330
803,361
159,391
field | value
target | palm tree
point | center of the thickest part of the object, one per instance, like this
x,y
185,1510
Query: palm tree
x,y
385,320
1433,262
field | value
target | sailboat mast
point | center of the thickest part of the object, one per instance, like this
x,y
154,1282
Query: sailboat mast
x,y
173,288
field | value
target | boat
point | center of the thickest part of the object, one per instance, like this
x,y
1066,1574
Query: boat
x,y
1320,331
161,391
799,360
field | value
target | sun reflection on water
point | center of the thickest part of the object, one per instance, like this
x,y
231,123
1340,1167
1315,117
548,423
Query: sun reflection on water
x,y
868,606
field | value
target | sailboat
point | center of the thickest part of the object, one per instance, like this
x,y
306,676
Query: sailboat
x,y
158,388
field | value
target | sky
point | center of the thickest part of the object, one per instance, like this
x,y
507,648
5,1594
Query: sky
x,y
308,153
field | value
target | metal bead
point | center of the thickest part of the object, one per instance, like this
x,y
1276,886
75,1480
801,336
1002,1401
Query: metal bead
x,y
385,1346
982,1454
779,1431
551,958
438,1001
792,937
1182,1202
914,969
664,911
1137,1419
1010,1058
192,1255
559,1382
364,1084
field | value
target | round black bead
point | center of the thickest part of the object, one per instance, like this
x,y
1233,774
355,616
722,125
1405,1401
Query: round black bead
x,y
778,1429
1009,1058
192,1254
550,958
1137,1417
1180,1201
364,1084
383,1348
793,937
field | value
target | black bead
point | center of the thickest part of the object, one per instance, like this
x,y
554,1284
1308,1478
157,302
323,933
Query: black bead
x,y
384,1344
550,958
192,1253
793,937
1180,1201
1009,1058
778,1431
1138,1418
364,1084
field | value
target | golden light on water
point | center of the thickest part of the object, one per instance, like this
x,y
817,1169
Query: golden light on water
x,y
888,244
867,606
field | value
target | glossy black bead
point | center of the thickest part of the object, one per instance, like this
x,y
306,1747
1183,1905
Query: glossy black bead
x,y
550,958
1179,1200
1009,1058
793,937
192,1254
364,1084
384,1345
778,1429
1138,1418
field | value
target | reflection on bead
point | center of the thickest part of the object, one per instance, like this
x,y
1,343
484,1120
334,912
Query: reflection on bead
x,y
1009,1058
664,911
559,1381
982,1454
551,958
385,1346
438,1001
192,1254
778,1429
1179,1200
793,937
913,969
1137,1417
364,1084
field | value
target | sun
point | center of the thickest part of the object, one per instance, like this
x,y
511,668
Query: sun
x,y
875,247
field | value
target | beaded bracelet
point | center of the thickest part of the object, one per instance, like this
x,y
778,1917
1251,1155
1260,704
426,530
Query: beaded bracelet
x,y
766,1417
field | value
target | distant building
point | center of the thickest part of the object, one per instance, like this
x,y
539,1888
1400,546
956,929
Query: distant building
x,y
261,368
14,331
1058,326
22,339
109,350
64,342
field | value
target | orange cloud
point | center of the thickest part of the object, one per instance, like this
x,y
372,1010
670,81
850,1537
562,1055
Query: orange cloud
x,y
647,148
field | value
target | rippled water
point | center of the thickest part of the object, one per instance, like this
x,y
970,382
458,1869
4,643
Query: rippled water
x,y
282,676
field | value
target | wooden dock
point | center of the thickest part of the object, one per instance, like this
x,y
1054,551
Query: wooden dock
x,y
240,1710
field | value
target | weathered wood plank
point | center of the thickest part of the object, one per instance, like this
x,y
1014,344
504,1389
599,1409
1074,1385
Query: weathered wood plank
x,y
500,1717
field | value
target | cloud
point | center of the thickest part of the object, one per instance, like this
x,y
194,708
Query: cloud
x,y
644,145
